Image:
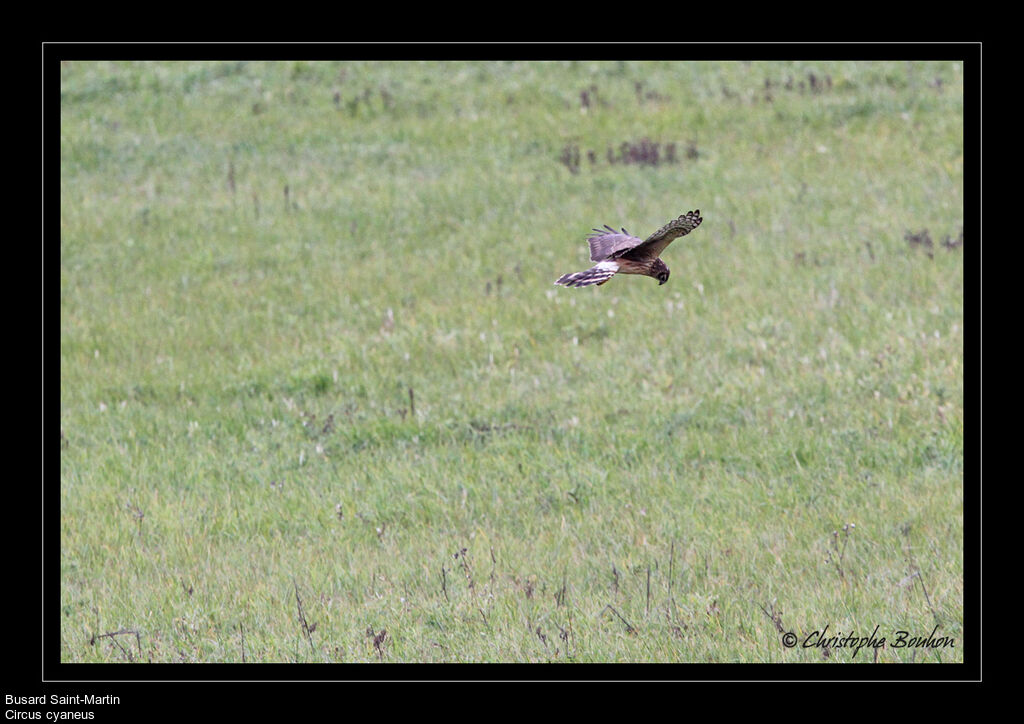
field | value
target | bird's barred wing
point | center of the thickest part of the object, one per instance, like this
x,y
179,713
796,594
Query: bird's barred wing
x,y
597,274
608,243
656,242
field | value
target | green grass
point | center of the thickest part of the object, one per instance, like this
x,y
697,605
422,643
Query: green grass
x,y
311,351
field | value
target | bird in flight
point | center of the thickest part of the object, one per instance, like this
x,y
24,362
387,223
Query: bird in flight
x,y
617,252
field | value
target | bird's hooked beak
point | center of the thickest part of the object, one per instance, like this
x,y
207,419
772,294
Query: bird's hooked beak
x,y
662,281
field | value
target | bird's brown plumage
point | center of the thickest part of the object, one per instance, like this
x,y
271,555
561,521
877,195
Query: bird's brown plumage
x,y
619,251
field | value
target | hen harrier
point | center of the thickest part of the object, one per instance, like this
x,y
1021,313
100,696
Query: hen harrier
x,y
617,252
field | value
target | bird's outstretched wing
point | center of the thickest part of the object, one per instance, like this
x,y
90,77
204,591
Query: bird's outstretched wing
x,y
656,242
608,243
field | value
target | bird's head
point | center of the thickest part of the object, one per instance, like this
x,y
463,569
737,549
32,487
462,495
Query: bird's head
x,y
660,271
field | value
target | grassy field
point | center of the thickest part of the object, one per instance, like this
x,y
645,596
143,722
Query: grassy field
x,y
320,401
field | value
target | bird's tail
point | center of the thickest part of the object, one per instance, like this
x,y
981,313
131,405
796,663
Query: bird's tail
x,y
597,274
